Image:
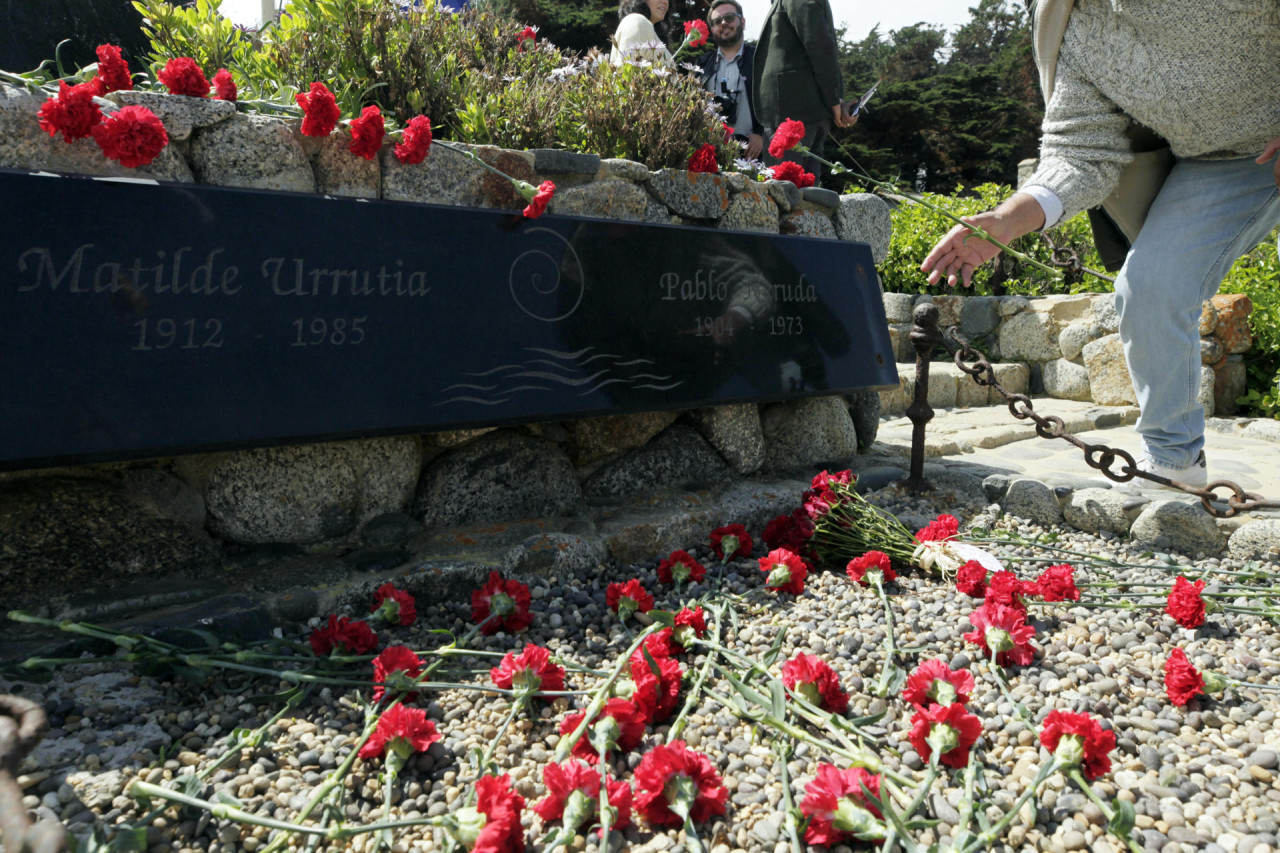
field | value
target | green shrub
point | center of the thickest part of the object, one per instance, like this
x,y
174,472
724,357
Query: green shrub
x,y
916,228
1257,275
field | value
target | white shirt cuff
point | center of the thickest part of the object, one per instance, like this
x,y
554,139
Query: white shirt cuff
x,y
1049,203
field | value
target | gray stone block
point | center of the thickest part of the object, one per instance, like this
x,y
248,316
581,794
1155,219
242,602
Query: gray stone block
x,y
785,194
180,113
448,177
808,223
822,198
1259,540
802,433
735,432
979,316
656,213
696,195
1095,509
90,535
617,200
500,476
677,457
1184,527
1105,314
736,181
897,307
1029,337
994,487
554,554
1032,500
258,152
1109,379
1204,395
1065,380
1010,305
864,218
1072,338
751,210
168,495
338,172
864,409
555,163
625,170
1211,351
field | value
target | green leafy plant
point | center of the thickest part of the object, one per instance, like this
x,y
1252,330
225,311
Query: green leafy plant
x,y
1257,275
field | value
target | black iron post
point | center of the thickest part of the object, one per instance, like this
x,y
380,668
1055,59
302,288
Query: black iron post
x,y
925,338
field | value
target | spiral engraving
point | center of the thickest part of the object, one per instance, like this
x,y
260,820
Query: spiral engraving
x,y
536,281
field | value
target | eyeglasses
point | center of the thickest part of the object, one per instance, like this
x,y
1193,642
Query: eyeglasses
x,y
725,19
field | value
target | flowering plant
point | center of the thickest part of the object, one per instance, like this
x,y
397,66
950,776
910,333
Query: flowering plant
x,y
814,679
680,568
529,674
346,636
947,731
182,76
791,171
704,160
501,605
1185,603
842,805
627,598
395,671
320,111
784,571
224,85
71,112
132,135
1003,634
676,785
393,606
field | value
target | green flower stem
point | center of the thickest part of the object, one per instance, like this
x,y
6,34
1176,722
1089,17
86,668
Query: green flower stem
x,y
218,810
451,651
471,155
963,833
984,840
487,758
695,692
916,198
922,791
601,695
85,629
1074,774
783,748
605,823
890,667
691,840
997,672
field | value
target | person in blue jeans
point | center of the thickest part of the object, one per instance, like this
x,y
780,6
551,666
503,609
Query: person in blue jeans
x,y
1206,78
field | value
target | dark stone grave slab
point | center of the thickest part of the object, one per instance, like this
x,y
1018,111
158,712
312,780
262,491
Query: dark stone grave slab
x,y
143,319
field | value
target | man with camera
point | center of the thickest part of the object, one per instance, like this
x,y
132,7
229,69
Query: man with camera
x,y
797,74
726,74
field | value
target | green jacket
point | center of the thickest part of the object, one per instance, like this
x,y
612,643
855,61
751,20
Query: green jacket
x,y
797,68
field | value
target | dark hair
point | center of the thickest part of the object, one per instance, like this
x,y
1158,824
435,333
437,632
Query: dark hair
x,y
734,3
640,7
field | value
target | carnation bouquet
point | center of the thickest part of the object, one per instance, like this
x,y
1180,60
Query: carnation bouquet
x,y
835,524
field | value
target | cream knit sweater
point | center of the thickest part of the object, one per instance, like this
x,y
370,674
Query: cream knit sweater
x,y
1204,74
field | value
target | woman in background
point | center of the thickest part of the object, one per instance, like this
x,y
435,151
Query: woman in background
x,y
641,33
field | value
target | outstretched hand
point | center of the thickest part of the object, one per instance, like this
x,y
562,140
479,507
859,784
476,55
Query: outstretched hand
x,y
1272,149
961,252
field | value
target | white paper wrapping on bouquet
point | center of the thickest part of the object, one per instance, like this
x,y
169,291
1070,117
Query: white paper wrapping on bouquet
x,y
948,556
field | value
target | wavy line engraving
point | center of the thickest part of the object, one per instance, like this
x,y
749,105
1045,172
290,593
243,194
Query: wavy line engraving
x,y
534,280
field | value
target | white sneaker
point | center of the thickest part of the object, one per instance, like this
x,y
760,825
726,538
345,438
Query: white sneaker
x,y
1195,475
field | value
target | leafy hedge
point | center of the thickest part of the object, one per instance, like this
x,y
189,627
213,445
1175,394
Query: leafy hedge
x,y
469,72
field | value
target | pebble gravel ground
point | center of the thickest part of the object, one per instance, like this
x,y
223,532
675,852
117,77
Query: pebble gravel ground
x,y
1204,777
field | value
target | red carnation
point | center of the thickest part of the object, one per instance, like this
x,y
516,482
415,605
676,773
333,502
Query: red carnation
x,y
415,141
181,76
626,598
113,71
497,816
529,673
621,725
673,782
505,600
1004,588
793,172
395,669
347,636
1181,679
731,541
971,579
786,137
1083,742
658,643
71,112
528,34
838,807
872,561
948,728
690,623
1057,583
574,777
224,85
791,531
1003,634
680,568
539,200
704,160
1185,604
784,571
825,479
940,529
394,606
815,680
320,111
402,729
132,135
657,685
696,33
933,682
367,132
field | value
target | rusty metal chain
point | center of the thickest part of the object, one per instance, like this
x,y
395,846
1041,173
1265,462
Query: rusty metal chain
x,y
22,724
1098,456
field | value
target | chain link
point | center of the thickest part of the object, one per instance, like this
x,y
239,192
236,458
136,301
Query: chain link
x,y
1098,456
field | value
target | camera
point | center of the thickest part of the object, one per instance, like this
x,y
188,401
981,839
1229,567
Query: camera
x,y
726,103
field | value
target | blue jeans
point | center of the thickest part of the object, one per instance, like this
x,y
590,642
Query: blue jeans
x,y
1208,214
